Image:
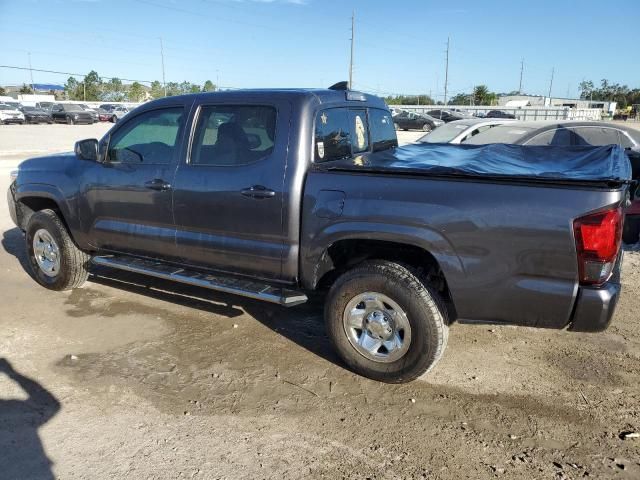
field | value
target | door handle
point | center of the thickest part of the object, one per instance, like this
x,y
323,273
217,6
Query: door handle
x,y
157,184
258,191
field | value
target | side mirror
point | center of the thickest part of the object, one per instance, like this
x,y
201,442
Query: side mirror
x,y
87,149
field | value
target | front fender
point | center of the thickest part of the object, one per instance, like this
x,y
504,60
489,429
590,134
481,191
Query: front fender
x,y
50,192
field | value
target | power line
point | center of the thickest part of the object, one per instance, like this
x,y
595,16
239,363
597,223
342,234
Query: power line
x,y
13,67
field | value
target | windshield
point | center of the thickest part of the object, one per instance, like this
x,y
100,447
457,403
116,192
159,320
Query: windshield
x,y
29,109
499,134
444,134
73,108
6,107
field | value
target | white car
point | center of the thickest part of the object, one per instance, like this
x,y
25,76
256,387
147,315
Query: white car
x,y
460,130
8,114
118,112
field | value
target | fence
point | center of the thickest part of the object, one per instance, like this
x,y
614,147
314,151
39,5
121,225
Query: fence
x,y
523,113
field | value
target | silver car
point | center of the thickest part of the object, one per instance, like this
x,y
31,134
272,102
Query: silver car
x,y
460,130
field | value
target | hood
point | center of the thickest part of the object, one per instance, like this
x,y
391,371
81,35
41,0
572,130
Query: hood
x,y
57,162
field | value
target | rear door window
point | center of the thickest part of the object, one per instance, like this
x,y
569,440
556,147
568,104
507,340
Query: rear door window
x,y
231,135
558,136
596,136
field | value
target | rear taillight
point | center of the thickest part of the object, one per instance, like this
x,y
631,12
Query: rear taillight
x,y
598,237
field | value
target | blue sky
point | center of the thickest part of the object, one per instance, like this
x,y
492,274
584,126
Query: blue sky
x,y
267,43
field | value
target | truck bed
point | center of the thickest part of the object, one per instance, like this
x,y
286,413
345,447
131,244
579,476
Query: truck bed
x,y
504,243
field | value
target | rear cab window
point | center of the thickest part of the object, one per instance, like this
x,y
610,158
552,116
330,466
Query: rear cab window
x,y
341,132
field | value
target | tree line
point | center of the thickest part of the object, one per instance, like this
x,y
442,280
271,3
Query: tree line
x,y
610,92
94,89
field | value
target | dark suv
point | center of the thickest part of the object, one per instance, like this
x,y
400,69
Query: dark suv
x,y
70,114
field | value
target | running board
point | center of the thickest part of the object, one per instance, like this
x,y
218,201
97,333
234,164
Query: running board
x,y
219,282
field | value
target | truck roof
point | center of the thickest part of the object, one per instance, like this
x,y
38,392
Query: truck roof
x,y
317,95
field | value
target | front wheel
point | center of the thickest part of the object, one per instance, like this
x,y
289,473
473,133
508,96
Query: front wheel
x,y
114,119
56,262
385,323
70,121
426,127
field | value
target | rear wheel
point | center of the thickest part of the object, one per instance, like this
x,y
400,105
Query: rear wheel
x,y
426,127
384,323
56,262
114,119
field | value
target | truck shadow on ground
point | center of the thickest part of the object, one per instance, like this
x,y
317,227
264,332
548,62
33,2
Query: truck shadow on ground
x,y
23,454
302,325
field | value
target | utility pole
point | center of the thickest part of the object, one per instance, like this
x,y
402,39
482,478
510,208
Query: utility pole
x,y
521,70
33,90
446,74
164,83
551,84
353,23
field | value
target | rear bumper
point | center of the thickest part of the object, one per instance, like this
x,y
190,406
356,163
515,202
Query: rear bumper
x,y
595,305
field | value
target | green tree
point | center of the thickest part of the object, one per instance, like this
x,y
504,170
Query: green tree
x,y
460,99
71,88
209,86
113,91
173,88
25,89
482,96
157,90
92,87
2,91
136,92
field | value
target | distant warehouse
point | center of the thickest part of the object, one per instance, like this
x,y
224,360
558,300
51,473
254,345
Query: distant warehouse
x,y
520,101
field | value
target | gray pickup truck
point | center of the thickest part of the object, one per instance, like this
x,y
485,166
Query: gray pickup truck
x,y
273,194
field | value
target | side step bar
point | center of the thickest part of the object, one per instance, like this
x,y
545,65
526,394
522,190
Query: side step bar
x,y
222,283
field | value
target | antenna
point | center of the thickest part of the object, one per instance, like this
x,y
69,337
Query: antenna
x,y
446,74
353,20
164,83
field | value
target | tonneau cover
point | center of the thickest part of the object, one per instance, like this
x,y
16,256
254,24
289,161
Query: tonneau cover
x,y
582,164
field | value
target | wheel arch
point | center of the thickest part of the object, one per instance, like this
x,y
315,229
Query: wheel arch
x,y
33,198
435,267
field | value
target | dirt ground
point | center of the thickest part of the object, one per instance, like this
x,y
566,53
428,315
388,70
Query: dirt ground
x,y
136,378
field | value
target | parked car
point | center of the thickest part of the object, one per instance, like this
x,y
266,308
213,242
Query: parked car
x,y
118,112
9,114
103,115
70,114
459,130
46,106
415,121
309,192
92,111
15,105
35,115
576,133
445,115
499,114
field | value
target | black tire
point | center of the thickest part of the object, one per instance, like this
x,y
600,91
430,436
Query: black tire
x,y
114,119
396,126
70,121
631,230
74,262
424,310
426,128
